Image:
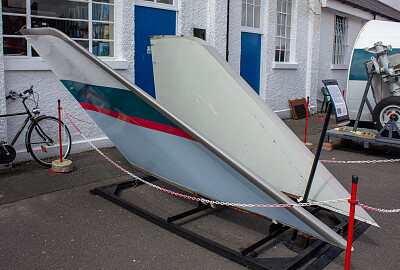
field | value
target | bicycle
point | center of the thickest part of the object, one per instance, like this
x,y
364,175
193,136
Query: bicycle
x,y
42,135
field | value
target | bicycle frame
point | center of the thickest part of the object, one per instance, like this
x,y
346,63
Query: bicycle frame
x,y
30,118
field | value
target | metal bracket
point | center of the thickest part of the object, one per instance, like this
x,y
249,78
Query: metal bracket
x,y
319,249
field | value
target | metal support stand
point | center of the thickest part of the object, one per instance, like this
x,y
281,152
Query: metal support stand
x,y
365,98
323,252
366,140
391,126
318,153
315,163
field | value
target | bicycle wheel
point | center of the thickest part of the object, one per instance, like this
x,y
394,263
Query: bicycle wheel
x,y
42,140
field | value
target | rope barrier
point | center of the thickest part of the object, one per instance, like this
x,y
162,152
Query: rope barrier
x,y
361,161
207,201
379,209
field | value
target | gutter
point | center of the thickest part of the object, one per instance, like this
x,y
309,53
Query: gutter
x,y
324,3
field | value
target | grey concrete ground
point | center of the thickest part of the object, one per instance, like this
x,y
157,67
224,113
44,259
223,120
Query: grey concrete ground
x,y
52,222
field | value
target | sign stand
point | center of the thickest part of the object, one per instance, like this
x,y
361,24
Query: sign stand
x,y
342,118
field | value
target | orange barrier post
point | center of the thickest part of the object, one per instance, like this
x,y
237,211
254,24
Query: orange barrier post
x,y
305,136
353,202
59,128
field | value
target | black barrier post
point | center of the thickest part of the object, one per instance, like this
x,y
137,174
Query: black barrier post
x,y
318,153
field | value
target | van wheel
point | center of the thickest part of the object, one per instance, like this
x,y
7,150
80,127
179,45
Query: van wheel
x,y
387,109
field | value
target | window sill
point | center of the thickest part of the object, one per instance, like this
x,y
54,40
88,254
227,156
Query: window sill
x,y
339,67
281,65
37,64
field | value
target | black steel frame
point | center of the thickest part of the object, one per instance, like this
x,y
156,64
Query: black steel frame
x,y
321,252
391,125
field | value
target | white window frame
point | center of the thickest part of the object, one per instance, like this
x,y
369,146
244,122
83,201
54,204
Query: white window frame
x,y
154,4
289,64
340,42
90,22
252,29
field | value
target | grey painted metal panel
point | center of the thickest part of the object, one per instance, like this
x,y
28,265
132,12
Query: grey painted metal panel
x,y
195,83
69,61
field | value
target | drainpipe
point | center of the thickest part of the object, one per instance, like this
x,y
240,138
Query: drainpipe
x,y
227,31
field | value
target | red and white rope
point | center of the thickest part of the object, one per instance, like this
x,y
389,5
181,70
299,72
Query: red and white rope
x,y
361,161
206,201
379,209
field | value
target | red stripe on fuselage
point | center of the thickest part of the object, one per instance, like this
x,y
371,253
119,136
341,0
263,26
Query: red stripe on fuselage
x,y
138,121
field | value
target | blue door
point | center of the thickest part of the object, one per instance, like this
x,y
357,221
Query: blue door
x,y
250,59
149,22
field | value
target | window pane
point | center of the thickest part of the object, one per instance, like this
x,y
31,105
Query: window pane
x,y
288,44
170,2
14,6
257,2
103,31
102,12
257,17
73,29
15,46
278,43
60,9
243,14
279,5
340,40
284,2
84,44
250,16
250,1
12,24
101,48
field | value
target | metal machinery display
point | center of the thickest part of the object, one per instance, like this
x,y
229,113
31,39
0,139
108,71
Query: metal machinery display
x,y
374,81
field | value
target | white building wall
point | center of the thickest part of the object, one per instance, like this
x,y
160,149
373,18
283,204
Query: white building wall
x,y
356,20
235,13
311,57
210,15
3,109
288,81
20,74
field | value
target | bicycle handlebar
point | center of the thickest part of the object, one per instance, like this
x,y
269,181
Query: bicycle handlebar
x,y
23,95
30,91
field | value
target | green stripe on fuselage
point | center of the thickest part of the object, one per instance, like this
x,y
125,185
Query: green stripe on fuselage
x,y
117,100
358,71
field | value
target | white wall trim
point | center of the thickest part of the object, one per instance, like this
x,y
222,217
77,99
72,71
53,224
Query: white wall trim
x,y
284,65
37,64
77,147
339,67
284,114
142,3
287,113
348,10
